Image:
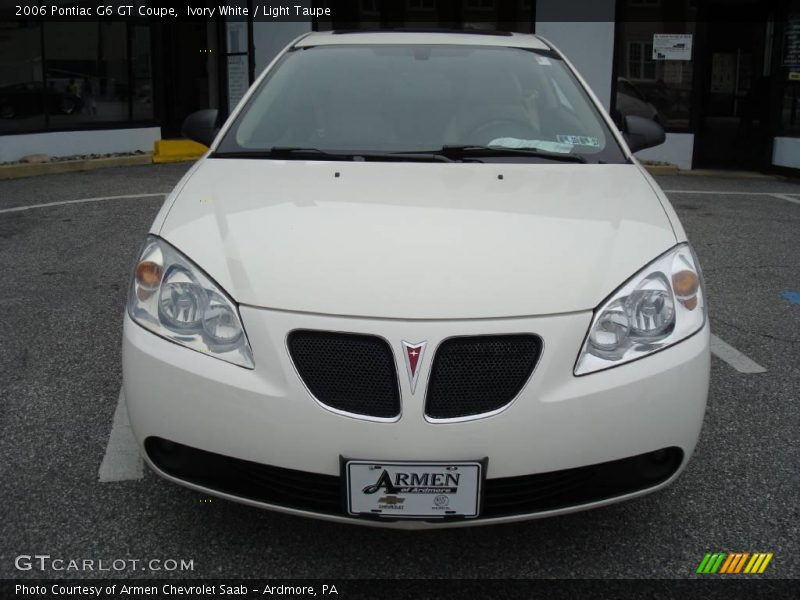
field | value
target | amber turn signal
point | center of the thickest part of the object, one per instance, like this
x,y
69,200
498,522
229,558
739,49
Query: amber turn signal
x,y
685,284
148,275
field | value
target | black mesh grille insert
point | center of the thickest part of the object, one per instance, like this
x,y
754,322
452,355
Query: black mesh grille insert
x,y
320,493
349,372
581,485
246,479
475,375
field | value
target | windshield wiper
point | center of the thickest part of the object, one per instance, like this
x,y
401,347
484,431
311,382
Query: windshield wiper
x,y
293,153
462,152
276,152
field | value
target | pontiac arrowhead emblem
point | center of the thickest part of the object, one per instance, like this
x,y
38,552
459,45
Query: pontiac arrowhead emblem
x,y
413,355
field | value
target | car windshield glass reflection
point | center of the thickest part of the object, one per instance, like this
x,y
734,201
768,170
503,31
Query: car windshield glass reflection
x,y
422,99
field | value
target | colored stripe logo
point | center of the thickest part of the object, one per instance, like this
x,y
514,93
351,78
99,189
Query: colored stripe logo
x,y
733,563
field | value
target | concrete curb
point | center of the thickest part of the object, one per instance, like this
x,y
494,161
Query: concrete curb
x,y
663,169
721,173
17,171
730,174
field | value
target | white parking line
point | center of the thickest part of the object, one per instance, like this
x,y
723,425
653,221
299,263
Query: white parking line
x,y
787,198
78,201
122,460
733,357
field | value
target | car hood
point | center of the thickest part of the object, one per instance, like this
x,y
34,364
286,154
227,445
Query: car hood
x,y
417,240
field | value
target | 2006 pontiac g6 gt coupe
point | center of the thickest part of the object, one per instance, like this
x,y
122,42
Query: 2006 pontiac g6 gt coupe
x,y
418,280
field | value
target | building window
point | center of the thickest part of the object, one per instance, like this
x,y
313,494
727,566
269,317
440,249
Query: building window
x,y
370,8
87,63
789,83
655,84
421,5
22,92
74,74
640,61
142,73
480,5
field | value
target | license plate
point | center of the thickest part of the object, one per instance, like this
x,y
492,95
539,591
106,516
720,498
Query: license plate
x,y
413,490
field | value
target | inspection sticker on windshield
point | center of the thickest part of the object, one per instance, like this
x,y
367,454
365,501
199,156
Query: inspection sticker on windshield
x,y
413,490
579,140
547,146
542,60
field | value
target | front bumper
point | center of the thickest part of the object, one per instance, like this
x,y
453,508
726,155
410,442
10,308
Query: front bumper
x,y
558,422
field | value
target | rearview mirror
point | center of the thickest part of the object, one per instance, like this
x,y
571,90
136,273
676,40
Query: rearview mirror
x,y
201,126
641,133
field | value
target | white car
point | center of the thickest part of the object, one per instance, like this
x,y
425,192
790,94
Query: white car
x,y
419,280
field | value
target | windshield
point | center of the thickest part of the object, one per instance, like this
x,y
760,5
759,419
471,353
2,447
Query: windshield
x,y
422,98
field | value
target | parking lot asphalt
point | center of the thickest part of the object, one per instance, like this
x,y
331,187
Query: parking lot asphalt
x,y
65,270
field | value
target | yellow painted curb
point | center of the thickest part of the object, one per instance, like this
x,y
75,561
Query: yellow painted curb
x,y
177,150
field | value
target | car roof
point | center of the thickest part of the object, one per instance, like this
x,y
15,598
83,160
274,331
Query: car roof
x,y
457,38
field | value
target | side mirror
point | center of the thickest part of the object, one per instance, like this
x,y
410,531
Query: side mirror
x,y
641,133
201,126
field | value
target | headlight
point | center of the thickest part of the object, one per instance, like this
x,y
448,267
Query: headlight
x,y
661,305
173,298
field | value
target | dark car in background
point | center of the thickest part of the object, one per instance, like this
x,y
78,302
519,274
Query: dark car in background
x,y
31,98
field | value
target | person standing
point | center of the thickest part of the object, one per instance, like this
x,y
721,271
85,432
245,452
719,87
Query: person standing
x,y
89,103
74,96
